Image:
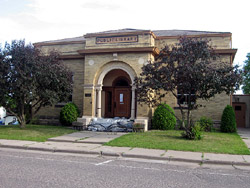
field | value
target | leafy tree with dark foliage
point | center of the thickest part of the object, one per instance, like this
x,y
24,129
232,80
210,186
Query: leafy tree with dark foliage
x,y
30,80
189,70
246,75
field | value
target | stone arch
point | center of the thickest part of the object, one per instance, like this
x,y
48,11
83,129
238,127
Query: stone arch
x,y
115,65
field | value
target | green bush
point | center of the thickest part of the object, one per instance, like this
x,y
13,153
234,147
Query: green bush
x,y
164,118
228,122
69,114
206,124
77,109
194,132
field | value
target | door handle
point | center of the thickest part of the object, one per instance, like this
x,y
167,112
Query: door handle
x,y
114,104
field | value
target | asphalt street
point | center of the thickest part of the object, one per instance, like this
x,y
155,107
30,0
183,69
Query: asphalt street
x,y
39,169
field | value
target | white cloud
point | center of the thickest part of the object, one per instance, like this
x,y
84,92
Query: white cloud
x,y
41,20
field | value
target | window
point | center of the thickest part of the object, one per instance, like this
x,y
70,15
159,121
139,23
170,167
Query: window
x,y
182,96
70,98
237,108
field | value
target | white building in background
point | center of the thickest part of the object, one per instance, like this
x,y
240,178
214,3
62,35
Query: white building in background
x,y
7,120
2,114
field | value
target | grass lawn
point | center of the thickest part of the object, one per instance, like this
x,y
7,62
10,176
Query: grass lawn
x,y
38,133
214,142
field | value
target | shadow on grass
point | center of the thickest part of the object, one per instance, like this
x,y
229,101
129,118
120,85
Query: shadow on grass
x,y
172,137
167,135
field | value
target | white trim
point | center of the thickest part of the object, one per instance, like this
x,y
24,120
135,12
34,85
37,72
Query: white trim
x,y
118,65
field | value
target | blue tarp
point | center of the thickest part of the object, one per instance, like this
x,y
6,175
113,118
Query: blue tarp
x,y
111,125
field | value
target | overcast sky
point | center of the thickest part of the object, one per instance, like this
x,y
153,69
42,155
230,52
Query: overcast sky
x,y
42,20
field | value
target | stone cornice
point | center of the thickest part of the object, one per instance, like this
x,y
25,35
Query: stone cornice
x,y
153,50
75,56
226,52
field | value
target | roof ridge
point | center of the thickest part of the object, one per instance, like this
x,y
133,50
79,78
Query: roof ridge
x,y
189,30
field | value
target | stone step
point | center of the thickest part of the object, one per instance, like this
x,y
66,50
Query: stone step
x,y
79,126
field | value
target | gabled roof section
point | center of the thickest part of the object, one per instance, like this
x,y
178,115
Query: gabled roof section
x,y
183,32
126,31
74,40
158,34
192,33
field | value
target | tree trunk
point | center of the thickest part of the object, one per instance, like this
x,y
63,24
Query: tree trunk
x,y
188,118
22,124
22,119
183,120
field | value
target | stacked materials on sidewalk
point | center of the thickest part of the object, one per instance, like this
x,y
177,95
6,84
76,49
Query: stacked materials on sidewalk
x,y
111,125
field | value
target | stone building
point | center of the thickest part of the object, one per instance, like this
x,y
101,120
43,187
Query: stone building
x,y
105,64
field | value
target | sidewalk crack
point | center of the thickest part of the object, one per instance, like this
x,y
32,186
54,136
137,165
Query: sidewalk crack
x,y
244,158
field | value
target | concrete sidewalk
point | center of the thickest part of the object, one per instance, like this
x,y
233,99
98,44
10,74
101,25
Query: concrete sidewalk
x,y
89,137
126,152
245,135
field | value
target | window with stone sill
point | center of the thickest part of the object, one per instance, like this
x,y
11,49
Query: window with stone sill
x,y
182,97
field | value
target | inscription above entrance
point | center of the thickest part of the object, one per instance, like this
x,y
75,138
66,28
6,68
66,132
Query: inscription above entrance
x,y
116,39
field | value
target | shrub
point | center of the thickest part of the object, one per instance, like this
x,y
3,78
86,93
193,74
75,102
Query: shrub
x,y
228,122
69,114
164,118
77,109
194,132
206,124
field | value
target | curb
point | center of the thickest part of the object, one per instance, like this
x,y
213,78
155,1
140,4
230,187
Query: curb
x,y
225,163
51,150
123,155
161,158
77,141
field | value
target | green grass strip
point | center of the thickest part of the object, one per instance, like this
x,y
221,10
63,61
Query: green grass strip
x,y
38,133
212,142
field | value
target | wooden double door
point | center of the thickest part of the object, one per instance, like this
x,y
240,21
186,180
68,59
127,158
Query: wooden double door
x,y
240,113
117,102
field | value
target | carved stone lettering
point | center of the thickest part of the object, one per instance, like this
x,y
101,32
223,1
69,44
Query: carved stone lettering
x,y
116,39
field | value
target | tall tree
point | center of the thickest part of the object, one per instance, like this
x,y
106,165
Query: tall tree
x,y
246,75
189,70
30,80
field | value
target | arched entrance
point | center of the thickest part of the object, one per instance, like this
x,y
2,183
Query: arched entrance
x,y
105,78
117,94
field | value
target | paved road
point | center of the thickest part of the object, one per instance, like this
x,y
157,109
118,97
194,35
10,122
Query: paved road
x,y
35,169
